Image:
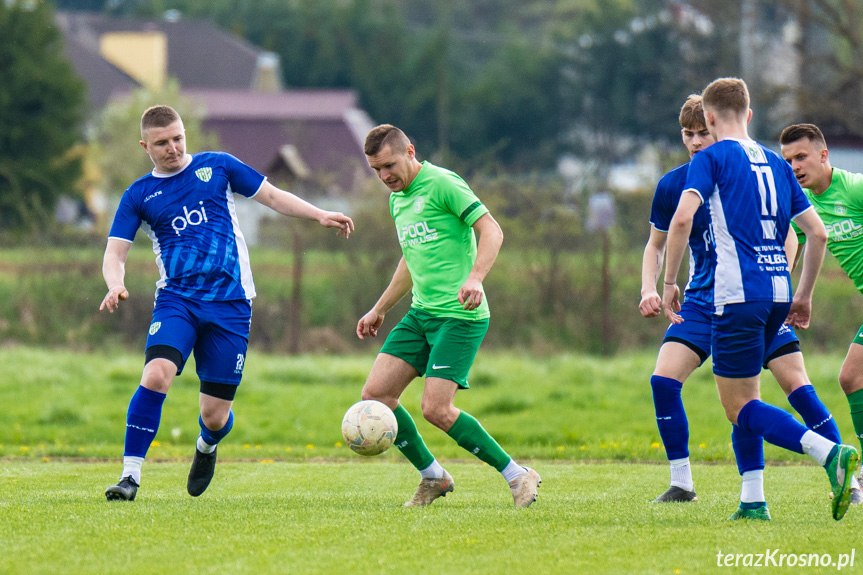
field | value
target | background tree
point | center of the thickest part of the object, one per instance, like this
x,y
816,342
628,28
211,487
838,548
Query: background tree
x,y
469,81
41,111
830,43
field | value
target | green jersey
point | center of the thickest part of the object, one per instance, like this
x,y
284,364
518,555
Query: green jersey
x,y
840,207
433,218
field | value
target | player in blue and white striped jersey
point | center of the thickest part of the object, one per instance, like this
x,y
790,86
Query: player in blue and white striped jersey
x,y
686,345
205,289
752,196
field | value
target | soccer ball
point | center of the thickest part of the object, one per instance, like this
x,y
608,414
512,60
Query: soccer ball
x,y
369,427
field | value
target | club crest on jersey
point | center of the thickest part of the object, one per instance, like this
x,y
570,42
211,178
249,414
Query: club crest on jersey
x,y
840,210
154,327
753,152
204,174
419,204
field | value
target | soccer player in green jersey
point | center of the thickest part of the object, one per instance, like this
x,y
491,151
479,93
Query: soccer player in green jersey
x,y
443,265
837,196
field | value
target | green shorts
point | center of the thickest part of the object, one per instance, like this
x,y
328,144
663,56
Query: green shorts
x,y
442,347
859,337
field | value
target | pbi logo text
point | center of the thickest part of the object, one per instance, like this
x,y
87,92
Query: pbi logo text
x,y
416,234
191,218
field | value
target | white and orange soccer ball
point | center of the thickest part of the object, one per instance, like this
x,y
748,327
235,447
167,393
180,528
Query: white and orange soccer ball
x,y
369,427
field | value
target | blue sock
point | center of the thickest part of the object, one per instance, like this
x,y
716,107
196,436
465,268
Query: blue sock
x,y
748,449
211,437
142,421
815,415
670,416
775,425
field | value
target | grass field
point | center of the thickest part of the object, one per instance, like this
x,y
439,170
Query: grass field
x,y
289,498
328,517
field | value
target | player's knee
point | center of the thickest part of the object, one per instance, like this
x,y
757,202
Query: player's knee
x,y
731,413
373,392
850,380
215,417
158,377
432,413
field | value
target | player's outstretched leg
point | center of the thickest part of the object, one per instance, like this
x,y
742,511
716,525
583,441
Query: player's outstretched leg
x,y
818,418
204,463
435,482
780,428
674,431
471,436
142,423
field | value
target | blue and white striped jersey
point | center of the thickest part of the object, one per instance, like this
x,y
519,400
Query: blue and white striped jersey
x,y
191,219
668,191
752,195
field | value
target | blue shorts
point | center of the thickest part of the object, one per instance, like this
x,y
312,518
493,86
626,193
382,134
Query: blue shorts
x,y
697,329
217,331
742,333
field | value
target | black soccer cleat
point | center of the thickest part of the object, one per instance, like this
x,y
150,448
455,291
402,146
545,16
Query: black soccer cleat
x,y
123,491
675,494
201,473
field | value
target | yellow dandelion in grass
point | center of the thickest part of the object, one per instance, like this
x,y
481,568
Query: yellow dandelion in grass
x,y
265,461
702,445
338,443
247,445
654,445
46,459
81,449
602,446
155,444
310,446
24,448
583,448
288,449
677,570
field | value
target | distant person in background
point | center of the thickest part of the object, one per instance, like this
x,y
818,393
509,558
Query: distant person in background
x,y
686,345
436,215
837,196
752,197
205,289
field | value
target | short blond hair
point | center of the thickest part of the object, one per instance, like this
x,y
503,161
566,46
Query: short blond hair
x,y
692,114
158,117
726,96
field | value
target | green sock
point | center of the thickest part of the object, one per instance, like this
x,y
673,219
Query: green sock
x,y
855,400
470,435
409,441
